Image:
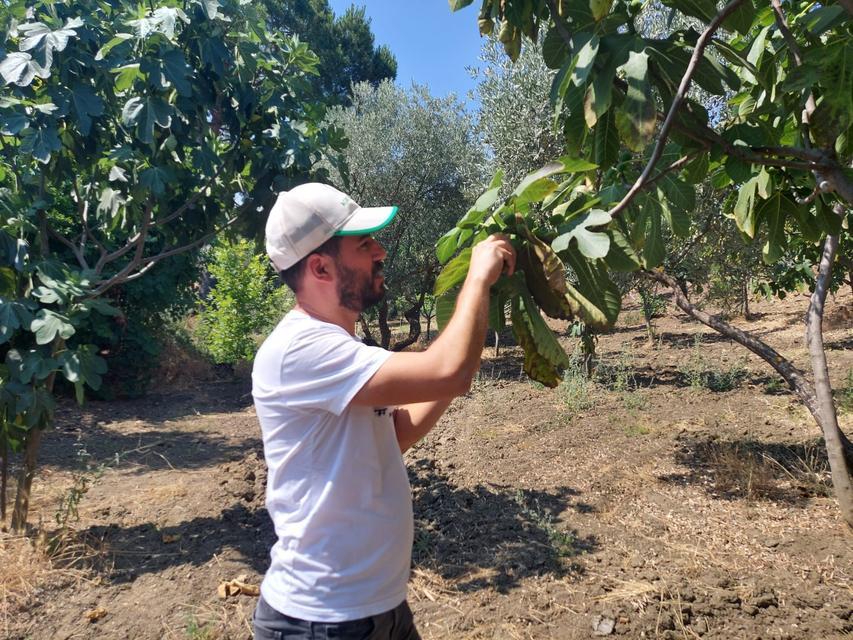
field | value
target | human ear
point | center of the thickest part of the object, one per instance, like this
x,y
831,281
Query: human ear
x,y
318,267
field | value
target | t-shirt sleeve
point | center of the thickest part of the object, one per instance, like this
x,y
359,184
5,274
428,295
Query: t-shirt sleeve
x,y
325,368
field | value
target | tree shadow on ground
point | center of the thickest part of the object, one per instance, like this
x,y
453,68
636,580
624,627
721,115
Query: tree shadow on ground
x,y
153,449
125,553
155,444
753,470
161,406
843,344
491,537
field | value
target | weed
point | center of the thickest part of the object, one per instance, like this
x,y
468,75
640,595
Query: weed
x,y
635,430
197,631
631,318
576,388
563,542
700,374
774,385
633,401
618,374
739,471
83,477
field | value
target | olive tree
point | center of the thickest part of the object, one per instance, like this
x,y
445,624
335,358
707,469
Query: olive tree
x,y
779,158
129,133
418,152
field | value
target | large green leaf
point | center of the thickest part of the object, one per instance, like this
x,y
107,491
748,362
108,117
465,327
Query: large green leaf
x,y
774,211
637,116
444,306
592,244
584,59
555,51
741,19
177,71
682,198
744,208
13,315
705,10
156,179
615,48
453,273
82,366
597,297
531,187
40,143
605,141
654,250
87,104
447,245
48,324
144,114
456,5
621,256
543,337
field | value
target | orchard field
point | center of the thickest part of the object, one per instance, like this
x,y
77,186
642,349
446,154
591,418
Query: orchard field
x,y
642,502
657,444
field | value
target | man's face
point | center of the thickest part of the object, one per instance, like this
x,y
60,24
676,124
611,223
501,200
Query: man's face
x,y
361,283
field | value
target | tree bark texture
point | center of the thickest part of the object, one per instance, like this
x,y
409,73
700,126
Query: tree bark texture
x,y
4,476
25,481
413,316
838,466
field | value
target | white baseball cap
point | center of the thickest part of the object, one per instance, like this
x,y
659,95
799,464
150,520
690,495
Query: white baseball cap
x,y
306,216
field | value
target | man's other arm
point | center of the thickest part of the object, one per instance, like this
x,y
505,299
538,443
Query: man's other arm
x,y
446,368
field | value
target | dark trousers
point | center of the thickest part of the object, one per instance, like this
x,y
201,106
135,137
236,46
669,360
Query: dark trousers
x,y
397,624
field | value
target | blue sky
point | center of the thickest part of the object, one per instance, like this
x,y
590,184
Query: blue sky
x,y
433,45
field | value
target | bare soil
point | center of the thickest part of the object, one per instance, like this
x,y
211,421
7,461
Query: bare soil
x,y
644,504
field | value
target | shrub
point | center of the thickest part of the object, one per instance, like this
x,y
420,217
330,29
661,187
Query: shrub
x,y
244,303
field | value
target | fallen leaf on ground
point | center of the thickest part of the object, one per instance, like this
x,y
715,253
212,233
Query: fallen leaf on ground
x,y
93,615
169,538
236,587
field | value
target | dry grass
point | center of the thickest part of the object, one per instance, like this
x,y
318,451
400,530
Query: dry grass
x,y
28,565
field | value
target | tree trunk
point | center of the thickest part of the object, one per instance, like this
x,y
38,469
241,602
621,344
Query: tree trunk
x,y
31,449
497,343
744,291
413,315
828,421
25,480
365,329
429,322
384,329
4,476
838,446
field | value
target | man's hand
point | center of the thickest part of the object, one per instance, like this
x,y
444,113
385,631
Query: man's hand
x,y
490,258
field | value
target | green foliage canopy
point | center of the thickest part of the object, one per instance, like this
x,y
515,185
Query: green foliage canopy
x,y
779,157
128,133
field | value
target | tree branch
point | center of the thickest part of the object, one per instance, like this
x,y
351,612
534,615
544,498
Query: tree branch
x,y
145,264
136,241
81,259
792,375
676,103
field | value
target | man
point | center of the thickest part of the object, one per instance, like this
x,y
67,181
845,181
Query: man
x,y
336,415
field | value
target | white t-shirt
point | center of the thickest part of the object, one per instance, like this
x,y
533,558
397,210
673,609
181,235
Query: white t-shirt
x,y
337,489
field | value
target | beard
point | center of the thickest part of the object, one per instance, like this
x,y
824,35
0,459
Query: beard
x,y
358,291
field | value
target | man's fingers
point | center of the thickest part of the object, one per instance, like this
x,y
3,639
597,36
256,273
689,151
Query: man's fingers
x,y
509,260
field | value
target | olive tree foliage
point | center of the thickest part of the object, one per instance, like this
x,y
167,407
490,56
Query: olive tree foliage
x,y
418,152
515,115
128,133
780,158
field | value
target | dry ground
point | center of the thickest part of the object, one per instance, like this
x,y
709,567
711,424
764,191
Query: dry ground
x,y
644,504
